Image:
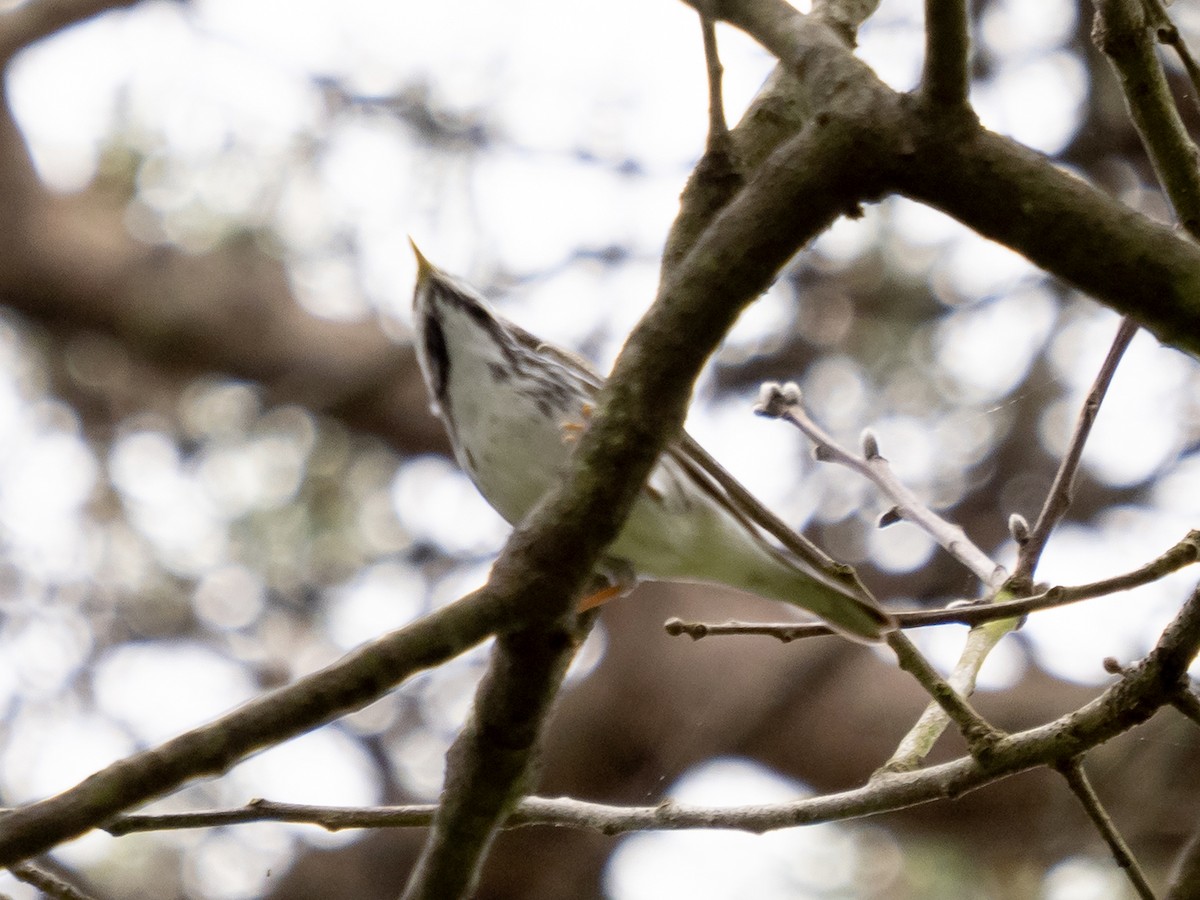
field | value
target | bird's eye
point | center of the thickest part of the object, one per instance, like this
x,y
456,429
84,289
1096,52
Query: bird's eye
x,y
435,353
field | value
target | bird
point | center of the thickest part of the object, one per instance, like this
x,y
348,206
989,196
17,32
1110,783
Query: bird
x,y
513,406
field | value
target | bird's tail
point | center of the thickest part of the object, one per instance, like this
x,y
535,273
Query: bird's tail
x,y
847,607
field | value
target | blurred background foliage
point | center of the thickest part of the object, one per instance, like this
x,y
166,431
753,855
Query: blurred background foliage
x,y
218,470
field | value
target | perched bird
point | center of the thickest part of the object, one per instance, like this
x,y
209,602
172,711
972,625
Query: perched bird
x,y
513,406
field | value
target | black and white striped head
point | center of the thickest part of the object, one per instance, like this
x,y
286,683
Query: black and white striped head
x,y
463,346
446,308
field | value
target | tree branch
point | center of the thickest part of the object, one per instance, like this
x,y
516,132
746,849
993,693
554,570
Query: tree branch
x,y
1185,553
786,402
719,174
1081,787
488,768
1058,498
1168,34
356,680
1122,32
949,702
1014,196
1142,690
946,79
1187,703
991,184
48,883
718,129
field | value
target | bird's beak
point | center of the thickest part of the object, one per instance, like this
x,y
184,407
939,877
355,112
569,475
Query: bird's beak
x,y
425,268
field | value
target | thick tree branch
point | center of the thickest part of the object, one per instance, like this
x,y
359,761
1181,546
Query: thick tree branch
x,y
488,769
792,198
1064,225
991,184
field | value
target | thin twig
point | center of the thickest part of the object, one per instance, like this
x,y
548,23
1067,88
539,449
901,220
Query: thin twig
x,y
1185,880
980,736
785,402
331,818
1081,787
776,401
718,176
1184,553
1186,701
718,128
1059,497
912,749
49,883
946,79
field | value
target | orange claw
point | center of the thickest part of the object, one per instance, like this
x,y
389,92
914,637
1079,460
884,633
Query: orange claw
x,y
599,598
572,430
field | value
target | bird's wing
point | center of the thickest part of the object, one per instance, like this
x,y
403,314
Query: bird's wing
x,y
684,459
716,480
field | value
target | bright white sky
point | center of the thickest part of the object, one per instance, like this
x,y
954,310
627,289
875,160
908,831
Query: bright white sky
x,y
223,94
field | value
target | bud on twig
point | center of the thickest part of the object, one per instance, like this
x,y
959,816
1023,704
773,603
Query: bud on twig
x,y
870,444
1018,527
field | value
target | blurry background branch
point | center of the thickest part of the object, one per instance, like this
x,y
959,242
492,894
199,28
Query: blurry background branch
x,y
39,19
